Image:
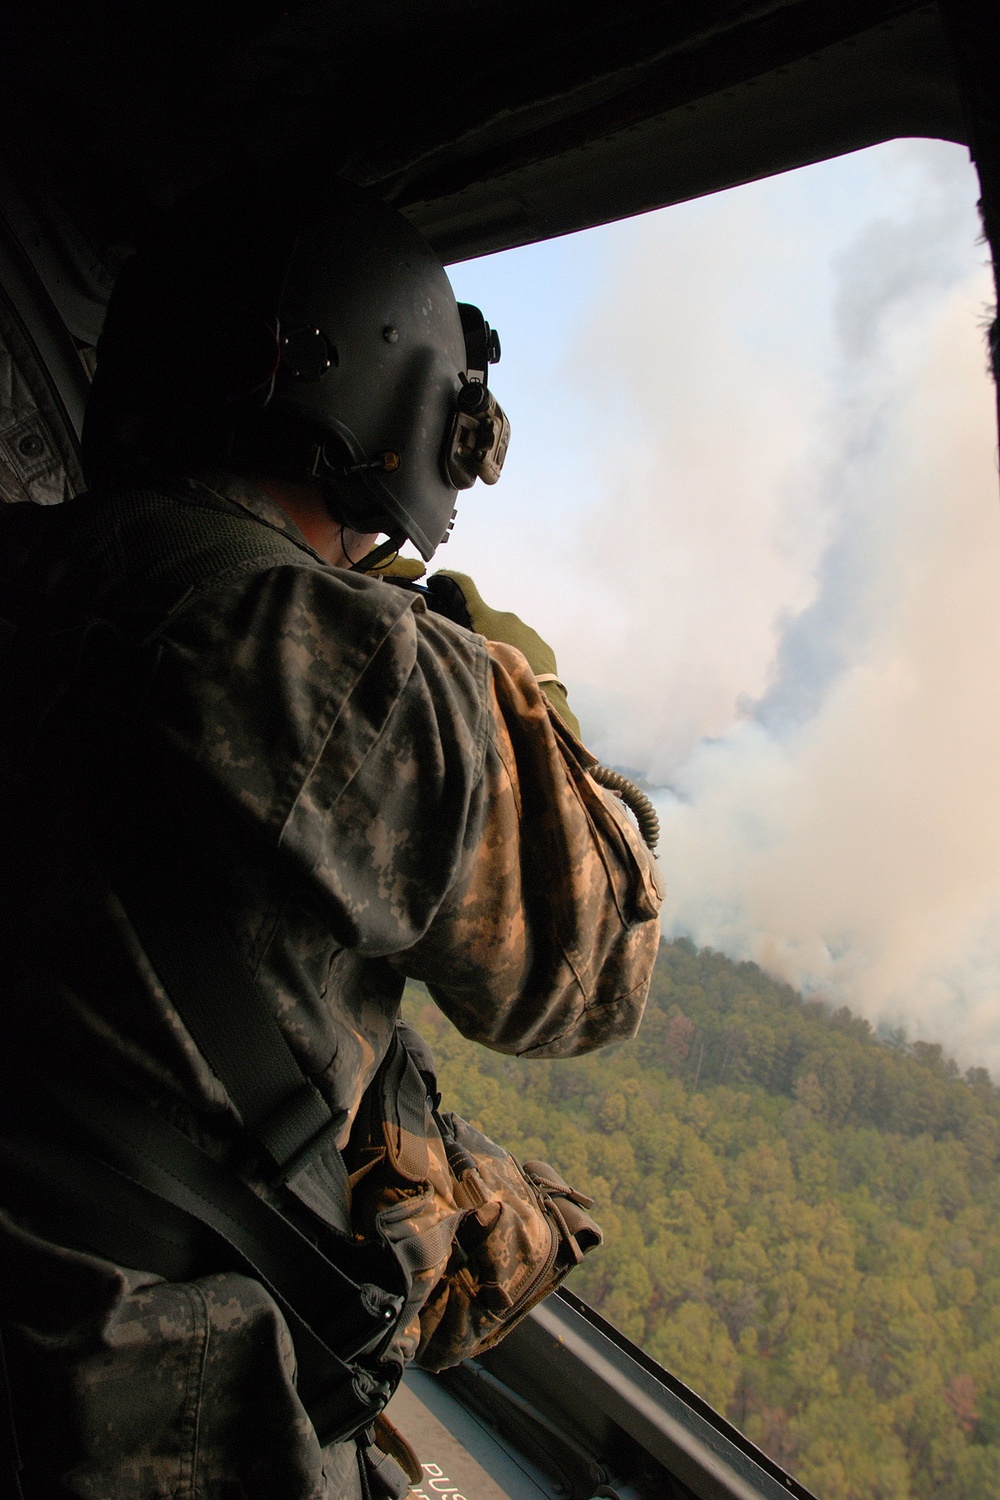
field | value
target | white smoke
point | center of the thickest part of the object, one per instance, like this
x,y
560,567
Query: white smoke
x,y
779,593
847,832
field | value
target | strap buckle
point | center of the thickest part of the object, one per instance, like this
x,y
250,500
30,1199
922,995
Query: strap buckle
x,y
297,1132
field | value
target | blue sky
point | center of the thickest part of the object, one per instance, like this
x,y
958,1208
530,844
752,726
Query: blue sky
x,y
752,501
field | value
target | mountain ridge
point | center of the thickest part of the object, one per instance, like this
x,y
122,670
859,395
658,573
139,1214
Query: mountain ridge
x,y
802,1218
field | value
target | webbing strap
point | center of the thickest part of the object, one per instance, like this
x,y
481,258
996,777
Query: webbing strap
x,y
208,980
129,1182
10,1456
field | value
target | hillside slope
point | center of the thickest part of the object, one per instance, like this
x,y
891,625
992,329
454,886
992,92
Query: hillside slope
x,y
803,1221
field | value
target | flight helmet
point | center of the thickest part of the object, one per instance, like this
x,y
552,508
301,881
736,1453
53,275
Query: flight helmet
x,y
305,331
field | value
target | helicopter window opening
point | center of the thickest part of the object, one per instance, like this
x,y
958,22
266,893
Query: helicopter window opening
x,y
751,498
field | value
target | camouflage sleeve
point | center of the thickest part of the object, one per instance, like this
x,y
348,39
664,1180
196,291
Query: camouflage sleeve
x,y
545,941
383,788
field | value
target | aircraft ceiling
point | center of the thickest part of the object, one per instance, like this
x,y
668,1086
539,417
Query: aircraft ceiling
x,y
491,125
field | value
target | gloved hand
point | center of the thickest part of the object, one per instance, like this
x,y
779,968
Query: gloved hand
x,y
408,568
455,595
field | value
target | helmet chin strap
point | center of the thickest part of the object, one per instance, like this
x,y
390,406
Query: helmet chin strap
x,y
378,554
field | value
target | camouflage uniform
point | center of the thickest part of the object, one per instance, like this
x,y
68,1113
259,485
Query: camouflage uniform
x,y
374,793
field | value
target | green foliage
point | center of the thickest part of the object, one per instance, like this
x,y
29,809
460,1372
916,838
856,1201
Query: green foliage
x,y
802,1219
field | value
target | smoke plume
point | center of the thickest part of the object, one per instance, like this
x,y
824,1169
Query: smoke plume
x,y
777,594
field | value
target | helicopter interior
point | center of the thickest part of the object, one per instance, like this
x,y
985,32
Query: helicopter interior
x,y
489,129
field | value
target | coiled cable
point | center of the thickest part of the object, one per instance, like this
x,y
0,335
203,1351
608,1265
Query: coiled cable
x,y
645,812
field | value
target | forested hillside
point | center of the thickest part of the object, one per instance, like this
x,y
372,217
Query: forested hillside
x,y
803,1221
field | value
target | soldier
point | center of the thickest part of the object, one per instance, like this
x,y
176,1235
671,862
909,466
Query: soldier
x,y
242,761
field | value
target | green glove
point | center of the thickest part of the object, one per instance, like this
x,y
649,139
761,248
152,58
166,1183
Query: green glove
x,y
456,596
407,568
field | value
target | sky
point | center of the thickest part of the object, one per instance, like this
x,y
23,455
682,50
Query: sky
x,y
752,500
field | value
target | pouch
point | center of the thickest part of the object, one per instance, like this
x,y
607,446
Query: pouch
x,y
480,1236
